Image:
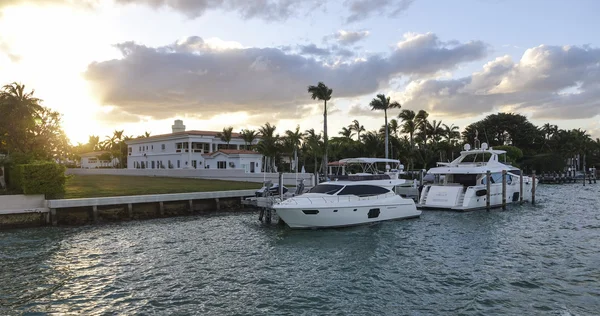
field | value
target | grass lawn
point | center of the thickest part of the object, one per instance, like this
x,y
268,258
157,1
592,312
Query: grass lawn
x,y
79,186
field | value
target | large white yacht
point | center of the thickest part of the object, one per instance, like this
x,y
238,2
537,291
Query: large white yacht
x,y
462,184
351,199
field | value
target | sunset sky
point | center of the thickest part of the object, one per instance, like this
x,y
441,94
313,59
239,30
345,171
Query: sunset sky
x,y
139,64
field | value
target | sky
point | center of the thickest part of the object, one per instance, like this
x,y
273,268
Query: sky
x,y
137,65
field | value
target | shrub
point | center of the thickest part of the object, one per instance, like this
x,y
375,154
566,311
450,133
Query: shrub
x,y
46,178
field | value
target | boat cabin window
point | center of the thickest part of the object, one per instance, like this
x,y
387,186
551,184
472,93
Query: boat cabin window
x,y
497,178
363,190
326,188
467,180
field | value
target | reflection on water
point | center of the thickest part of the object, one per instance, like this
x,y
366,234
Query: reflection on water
x,y
539,259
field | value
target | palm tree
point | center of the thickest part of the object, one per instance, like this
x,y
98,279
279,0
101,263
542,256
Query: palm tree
x,y
346,132
226,135
355,126
409,126
118,136
422,124
20,110
268,145
248,136
314,144
295,139
381,102
323,93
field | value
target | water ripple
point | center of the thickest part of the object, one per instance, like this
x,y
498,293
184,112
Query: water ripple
x,y
539,259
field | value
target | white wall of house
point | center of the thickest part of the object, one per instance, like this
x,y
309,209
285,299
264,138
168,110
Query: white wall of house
x,y
95,162
221,160
183,150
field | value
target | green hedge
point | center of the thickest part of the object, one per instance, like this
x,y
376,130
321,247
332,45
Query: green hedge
x,y
46,178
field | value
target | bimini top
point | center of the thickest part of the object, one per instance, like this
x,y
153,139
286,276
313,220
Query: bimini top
x,y
368,160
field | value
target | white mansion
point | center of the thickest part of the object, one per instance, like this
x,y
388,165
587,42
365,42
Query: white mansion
x,y
191,150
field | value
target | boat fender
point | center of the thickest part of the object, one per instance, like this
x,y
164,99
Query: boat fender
x,y
481,192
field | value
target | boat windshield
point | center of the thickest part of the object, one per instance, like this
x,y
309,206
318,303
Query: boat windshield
x,y
326,188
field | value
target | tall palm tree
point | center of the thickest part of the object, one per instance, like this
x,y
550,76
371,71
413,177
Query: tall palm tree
x,y
94,142
248,136
323,93
355,126
226,135
381,102
295,139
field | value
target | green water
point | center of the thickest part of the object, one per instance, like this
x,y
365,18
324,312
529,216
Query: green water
x,y
527,260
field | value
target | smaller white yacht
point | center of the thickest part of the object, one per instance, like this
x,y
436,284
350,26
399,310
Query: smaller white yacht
x,y
461,185
351,199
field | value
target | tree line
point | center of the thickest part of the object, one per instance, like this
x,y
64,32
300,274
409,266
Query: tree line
x,y
29,131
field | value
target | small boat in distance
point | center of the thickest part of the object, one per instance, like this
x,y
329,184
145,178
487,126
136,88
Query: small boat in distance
x,y
350,199
461,185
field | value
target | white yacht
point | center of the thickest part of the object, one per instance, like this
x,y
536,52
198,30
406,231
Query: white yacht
x,y
462,184
349,200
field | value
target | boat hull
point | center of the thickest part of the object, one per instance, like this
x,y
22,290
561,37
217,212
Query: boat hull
x,y
333,213
458,198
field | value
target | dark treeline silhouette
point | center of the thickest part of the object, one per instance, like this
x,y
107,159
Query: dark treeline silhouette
x,y
29,131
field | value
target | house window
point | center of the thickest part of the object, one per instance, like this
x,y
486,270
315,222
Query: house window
x,y
92,160
221,164
181,146
152,147
194,164
162,147
153,164
140,148
178,163
129,149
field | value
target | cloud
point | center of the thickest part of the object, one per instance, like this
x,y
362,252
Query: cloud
x,y
312,49
349,37
178,78
268,10
7,51
360,110
554,82
362,9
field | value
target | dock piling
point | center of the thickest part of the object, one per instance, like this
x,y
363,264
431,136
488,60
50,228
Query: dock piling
x,y
95,213
503,189
53,217
487,191
130,210
161,208
521,188
533,188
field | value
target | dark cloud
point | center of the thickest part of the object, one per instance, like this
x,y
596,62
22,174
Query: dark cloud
x,y
312,49
159,82
362,9
555,82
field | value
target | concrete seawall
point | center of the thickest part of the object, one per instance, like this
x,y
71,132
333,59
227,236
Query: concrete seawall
x,y
115,209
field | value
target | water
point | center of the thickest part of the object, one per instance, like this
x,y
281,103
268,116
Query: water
x,y
524,261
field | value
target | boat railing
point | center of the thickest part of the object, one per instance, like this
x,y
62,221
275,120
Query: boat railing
x,y
337,199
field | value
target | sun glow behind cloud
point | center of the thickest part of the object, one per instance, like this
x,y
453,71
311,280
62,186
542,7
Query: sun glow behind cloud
x,y
53,52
